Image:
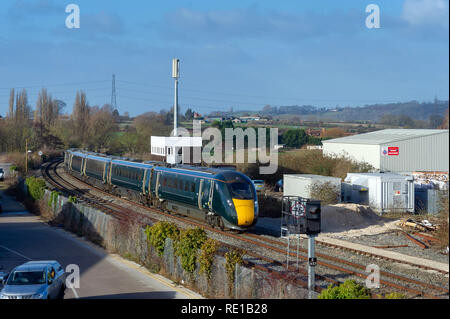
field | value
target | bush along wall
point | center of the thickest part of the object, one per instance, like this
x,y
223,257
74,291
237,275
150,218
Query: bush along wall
x,y
185,256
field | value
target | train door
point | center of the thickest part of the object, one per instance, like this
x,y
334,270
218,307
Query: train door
x,y
70,161
83,166
149,183
144,181
204,194
210,197
158,177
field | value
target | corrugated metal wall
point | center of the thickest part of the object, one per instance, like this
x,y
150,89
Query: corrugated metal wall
x,y
359,152
427,153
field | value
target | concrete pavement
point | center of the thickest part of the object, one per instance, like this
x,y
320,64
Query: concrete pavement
x,y
24,237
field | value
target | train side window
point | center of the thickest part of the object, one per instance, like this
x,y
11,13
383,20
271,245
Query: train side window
x,y
192,187
186,186
180,184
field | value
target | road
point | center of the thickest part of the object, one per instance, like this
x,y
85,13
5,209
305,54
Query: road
x,y
25,237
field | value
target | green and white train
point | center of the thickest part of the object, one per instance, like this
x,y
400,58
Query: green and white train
x,y
222,197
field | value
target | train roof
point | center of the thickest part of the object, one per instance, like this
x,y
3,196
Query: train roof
x,y
221,173
100,158
129,163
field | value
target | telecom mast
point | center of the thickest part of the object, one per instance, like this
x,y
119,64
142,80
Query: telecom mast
x,y
113,94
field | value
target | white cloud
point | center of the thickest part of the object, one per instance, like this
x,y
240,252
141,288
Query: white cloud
x,y
426,12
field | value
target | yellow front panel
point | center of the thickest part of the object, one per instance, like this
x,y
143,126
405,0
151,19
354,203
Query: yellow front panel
x,y
245,210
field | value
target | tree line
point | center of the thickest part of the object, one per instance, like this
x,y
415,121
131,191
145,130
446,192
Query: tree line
x,y
95,128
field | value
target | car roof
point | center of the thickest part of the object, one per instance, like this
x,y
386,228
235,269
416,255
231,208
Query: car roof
x,y
36,265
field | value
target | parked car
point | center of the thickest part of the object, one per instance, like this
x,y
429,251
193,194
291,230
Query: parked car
x,y
35,280
279,186
2,174
259,185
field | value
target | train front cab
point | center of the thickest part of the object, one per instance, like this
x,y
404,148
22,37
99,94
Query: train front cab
x,y
241,202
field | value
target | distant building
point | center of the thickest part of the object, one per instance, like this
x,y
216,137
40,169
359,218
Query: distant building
x,y
395,150
249,118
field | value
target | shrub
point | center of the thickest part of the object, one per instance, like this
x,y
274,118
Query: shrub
x,y
347,290
326,192
206,257
232,257
36,187
157,234
187,246
395,295
72,199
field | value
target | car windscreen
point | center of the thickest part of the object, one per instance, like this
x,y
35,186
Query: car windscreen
x,y
26,278
240,190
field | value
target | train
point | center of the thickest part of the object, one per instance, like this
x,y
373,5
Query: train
x,y
221,197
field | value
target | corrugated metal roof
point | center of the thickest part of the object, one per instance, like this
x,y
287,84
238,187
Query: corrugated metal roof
x,y
385,136
311,176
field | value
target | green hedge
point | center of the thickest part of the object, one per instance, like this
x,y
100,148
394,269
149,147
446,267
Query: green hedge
x,y
36,187
347,290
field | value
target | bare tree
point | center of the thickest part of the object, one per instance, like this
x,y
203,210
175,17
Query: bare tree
x,y
80,117
11,105
101,127
23,110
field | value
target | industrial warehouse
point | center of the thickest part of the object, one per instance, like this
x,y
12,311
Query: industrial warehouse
x,y
395,150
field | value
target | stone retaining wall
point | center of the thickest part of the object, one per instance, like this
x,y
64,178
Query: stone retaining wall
x,y
130,242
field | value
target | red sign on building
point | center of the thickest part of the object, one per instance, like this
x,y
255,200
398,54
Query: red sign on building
x,y
393,151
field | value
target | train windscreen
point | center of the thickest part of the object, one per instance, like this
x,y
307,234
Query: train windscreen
x,y
240,190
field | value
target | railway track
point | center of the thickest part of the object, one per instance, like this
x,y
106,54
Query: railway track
x,y
50,173
413,287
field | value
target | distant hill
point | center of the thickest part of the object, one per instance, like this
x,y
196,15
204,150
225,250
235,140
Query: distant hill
x,y
373,113
369,113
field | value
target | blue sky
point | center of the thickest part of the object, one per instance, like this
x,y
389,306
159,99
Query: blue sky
x,y
240,54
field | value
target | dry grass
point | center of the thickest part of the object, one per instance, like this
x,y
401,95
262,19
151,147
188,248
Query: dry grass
x,y
305,162
34,160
